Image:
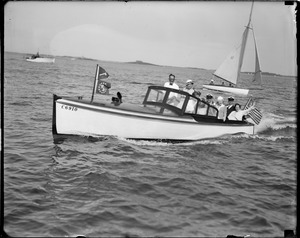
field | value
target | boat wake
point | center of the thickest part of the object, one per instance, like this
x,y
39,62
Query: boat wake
x,y
272,123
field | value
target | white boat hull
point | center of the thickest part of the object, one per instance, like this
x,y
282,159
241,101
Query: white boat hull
x,y
77,118
226,89
42,60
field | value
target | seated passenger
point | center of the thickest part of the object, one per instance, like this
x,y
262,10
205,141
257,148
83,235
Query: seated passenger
x,y
238,114
202,107
209,100
230,106
222,108
189,88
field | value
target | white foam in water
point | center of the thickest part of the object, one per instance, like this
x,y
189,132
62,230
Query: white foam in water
x,y
275,122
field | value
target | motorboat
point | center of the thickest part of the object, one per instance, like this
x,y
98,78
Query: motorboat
x,y
165,114
38,59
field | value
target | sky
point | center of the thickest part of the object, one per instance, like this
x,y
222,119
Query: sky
x,y
174,33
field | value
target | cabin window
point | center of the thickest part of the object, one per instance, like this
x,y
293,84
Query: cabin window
x,y
191,106
156,95
212,111
176,100
202,108
205,109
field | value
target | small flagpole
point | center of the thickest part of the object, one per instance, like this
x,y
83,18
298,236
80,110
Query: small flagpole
x,y
95,82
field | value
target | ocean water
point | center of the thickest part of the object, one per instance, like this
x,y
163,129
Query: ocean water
x,y
110,186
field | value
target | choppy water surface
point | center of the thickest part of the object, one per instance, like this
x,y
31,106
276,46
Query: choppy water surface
x,y
108,186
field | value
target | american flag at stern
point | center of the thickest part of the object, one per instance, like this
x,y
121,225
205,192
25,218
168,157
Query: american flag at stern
x,y
254,114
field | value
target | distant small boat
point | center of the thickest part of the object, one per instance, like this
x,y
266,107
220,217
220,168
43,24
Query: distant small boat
x,y
230,70
38,59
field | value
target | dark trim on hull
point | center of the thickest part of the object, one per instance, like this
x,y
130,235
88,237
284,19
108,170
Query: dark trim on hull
x,y
60,138
54,130
208,120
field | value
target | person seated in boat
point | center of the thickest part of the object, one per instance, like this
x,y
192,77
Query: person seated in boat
x,y
189,88
211,82
210,101
223,84
238,114
221,108
202,107
230,106
171,84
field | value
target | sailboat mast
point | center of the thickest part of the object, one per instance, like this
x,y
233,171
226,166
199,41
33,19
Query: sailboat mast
x,y
243,46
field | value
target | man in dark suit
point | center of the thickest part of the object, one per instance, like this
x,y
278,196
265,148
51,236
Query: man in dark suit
x,y
230,106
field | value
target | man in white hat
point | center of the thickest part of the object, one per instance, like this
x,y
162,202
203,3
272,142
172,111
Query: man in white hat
x,y
189,87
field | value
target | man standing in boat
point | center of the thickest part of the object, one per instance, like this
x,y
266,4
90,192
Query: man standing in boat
x,y
171,83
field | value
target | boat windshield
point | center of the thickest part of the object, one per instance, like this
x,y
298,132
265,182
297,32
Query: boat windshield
x,y
170,100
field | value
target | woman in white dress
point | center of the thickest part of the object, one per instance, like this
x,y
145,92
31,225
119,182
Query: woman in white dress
x,y
238,113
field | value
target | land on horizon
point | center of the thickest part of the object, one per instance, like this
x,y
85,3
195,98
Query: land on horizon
x,y
140,62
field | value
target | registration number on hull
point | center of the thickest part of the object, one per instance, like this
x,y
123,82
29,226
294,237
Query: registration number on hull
x,y
71,108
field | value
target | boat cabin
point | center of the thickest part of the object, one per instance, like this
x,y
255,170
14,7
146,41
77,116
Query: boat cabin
x,y
173,101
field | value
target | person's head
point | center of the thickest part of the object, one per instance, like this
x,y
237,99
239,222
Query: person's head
x,y
237,107
220,100
171,78
209,98
231,100
189,84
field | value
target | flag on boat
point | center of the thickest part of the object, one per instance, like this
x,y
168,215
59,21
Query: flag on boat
x,y
102,86
254,114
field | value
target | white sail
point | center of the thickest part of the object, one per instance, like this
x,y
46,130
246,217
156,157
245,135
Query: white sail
x,y
226,69
257,72
230,69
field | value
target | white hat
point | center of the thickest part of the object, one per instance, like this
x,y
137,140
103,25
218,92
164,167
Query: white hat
x,y
189,81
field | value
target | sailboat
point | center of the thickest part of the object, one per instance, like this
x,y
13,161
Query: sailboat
x,y
230,70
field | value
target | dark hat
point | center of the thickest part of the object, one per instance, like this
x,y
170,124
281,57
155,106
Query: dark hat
x,y
209,96
231,99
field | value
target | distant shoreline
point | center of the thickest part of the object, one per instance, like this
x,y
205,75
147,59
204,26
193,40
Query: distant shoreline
x,y
140,62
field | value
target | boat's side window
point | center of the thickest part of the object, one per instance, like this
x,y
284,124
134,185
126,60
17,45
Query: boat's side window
x,y
205,109
202,108
156,95
212,111
191,105
177,101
